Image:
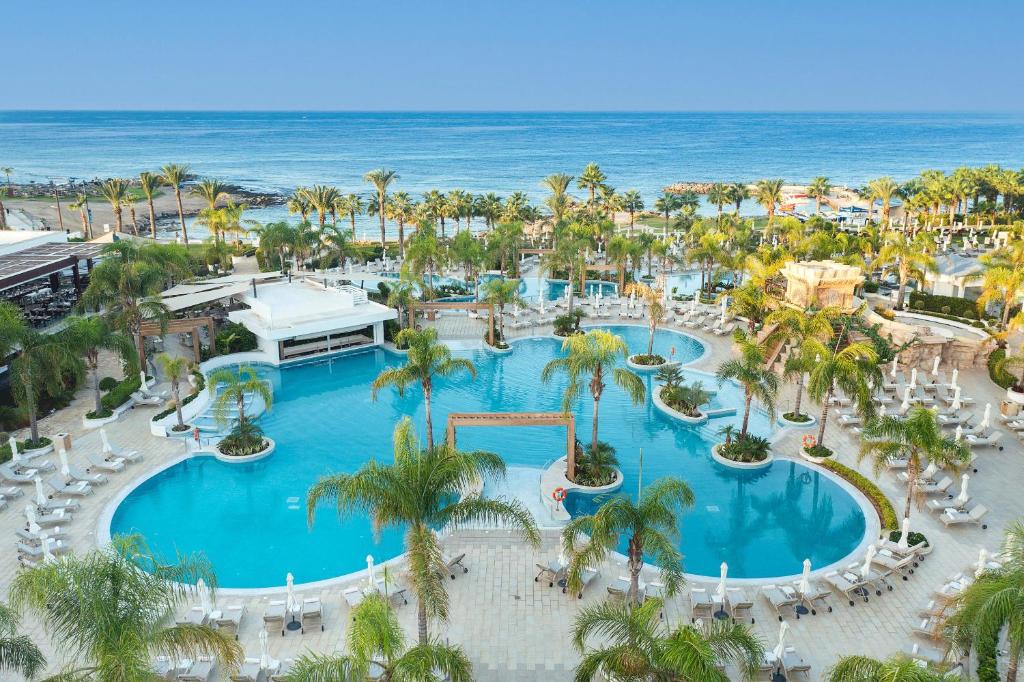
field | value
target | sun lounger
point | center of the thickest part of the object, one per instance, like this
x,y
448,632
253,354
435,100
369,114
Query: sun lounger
x,y
56,547
894,565
814,598
353,596
942,504
57,503
780,599
451,563
393,591
11,476
924,654
895,463
935,609
587,576
935,488
955,517
43,466
845,419
553,572
99,462
312,614
77,488
848,584
701,604
738,604
81,475
31,538
229,618
926,476
249,671
794,664
984,442
11,492
929,628
275,614
198,672
920,397
53,517
113,450
194,616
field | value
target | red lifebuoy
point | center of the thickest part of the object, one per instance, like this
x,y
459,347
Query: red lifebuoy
x,y
809,441
559,494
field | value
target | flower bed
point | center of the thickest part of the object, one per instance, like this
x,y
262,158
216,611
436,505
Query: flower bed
x,y
752,452
793,419
883,507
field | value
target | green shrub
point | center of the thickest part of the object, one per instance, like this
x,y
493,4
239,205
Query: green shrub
x,y
883,507
34,444
596,468
947,305
885,312
913,539
12,418
819,451
870,287
245,439
1000,377
648,360
235,337
107,383
749,449
121,393
796,418
102,414
988,666
567,324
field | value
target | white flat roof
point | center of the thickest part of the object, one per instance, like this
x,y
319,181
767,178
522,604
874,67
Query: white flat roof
x,y
12,241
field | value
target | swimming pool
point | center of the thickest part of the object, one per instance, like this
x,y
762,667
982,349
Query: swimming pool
x,y
250,519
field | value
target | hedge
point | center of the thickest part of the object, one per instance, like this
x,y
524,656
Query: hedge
x,y
1000,377
883,507
200,387
121,393
949,305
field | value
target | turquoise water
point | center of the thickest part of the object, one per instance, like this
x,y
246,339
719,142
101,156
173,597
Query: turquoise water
x,y
250,519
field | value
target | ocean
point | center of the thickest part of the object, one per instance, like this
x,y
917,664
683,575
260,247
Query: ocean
x,y
502,152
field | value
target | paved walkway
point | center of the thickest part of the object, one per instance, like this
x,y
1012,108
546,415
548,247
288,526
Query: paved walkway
x,y
516,629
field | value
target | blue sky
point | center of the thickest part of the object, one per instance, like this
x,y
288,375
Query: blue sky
x,y
514,55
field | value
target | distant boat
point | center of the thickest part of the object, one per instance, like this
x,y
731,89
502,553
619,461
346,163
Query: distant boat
x,y
787,207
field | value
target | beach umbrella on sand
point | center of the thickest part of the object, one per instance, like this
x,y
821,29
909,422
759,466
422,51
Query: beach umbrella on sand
x,y
205,601
805,578
963,497
959,433
780,649
986,418
369,572
869,556
904,542
982,563
956,373
40,493
895,364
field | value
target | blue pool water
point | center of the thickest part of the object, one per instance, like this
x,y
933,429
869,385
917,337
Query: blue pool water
x,y
250,519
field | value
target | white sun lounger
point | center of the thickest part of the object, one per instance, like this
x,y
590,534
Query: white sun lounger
x,y
701,604
113,464
198,672
935,488
56,547
275,614
847,584
113,450
739,605
984,442
80,475
11,476
780,599
587,576
147,401
312,614
77,488
194,616
27,536
956,517
229,618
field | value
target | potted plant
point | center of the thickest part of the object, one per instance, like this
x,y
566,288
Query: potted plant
x,y
813,451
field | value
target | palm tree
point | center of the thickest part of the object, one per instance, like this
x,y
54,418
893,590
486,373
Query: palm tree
x,y
567,255
590,179
502,292
18,653
336,243
898,668
175,369
819,189
375,639
910,258
655,308
632,203
805,332
88,336
81,204
848,369
229,389
150,184
994,603
426,359
323,199
666,204
459,204
381,179
620,250
915,437
298,203
489,207
739,193
768,193
637,644
350,205
275,238
718,194
401,295
650,525
424,255
402,209
211,192
7,170
115,190
751,372
174,175
113,618
419,491
593,354
883,189
611,201
1001,283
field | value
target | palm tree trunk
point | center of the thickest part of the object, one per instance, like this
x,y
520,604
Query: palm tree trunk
x,y
650,339
824,417
799,394
901,293
3,215
177,401
98,404
1011,667
181,214
401,238
631,214
117,220
426,406
352,219
747,399
593,427
152,217
568,283
421,619
380,213
911,484
636,564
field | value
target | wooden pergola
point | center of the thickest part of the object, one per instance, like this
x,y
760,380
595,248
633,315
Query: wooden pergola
x,y
187,324
456,419
456,305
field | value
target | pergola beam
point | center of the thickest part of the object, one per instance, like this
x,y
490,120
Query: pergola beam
x,y
456,305
457,419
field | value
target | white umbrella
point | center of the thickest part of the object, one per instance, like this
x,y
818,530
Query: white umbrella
x,y
913,378
935,365
865,570
929,471
963,497
291,603
895,364
805,578
264,650
959,433
720,592
982,563
956,373
881,410
780,648
904,541
142,378
905,405
204,596
725,304
106,443
15,455
594,300
64,469
30,515
986,418
48,556
40,493
369,572
542,297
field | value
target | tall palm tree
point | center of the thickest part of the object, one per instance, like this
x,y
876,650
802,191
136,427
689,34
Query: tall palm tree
x,y
402,209
488,206
666,204
994,603
229,389
718,194
401,295
739,193
611,201
883,189
637,644
655,308
323,199
115,190
557,184
915,437
112,618
768,193
899,668
80,204
460,203
806,332
910,258
502,292
88,336
847,368
818,189
423,255
650,525
335,243
150,184
175,369
632,203
298,203
381,179
7,170
422,490
619,252
211,191
175,175
18,653
568,255
350,205
376,640
592,355
426,359
1003,284
590,179
751,372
